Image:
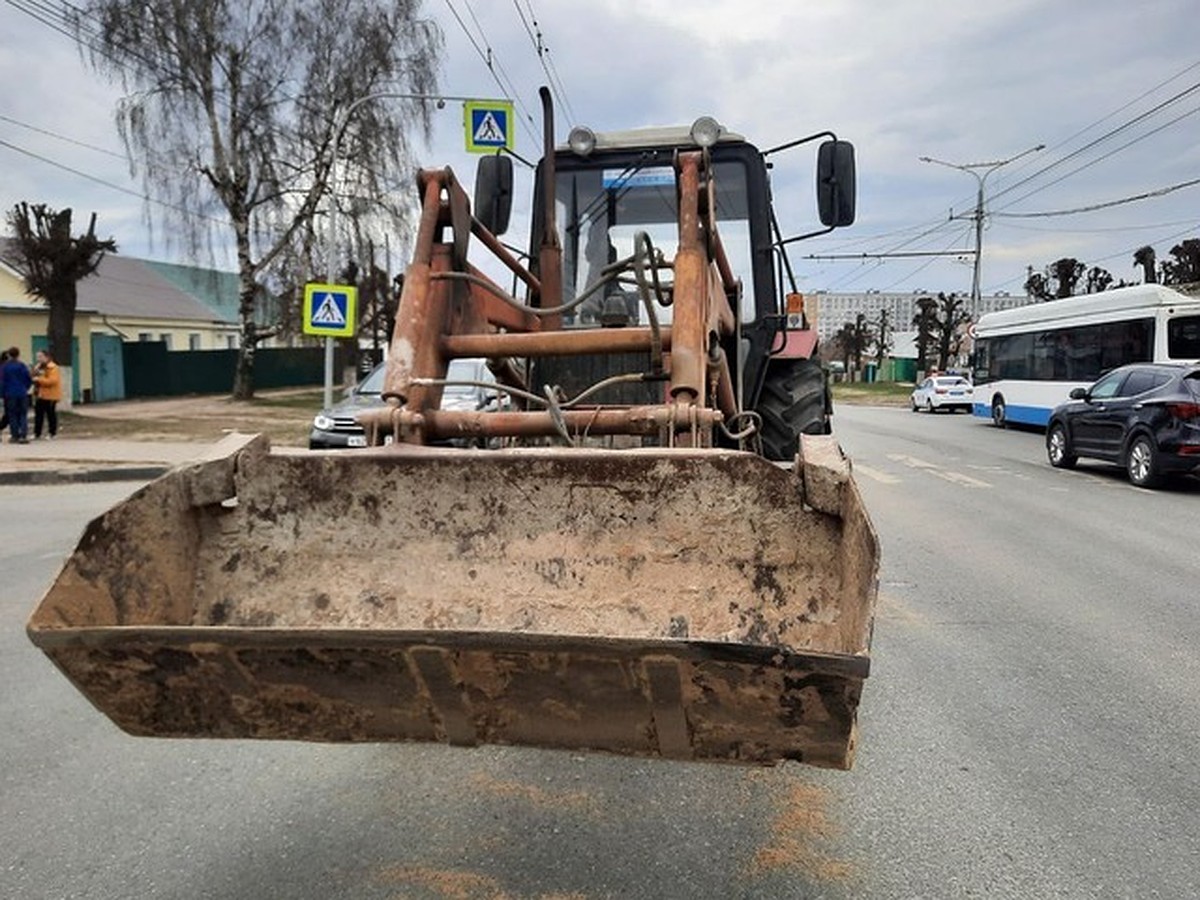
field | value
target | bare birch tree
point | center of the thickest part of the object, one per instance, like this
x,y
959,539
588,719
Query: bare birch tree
x,y
233,109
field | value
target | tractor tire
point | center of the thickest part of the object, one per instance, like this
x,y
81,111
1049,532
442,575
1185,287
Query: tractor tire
x,y
794,401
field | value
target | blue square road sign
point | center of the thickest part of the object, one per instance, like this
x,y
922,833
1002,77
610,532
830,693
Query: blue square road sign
x,y
489,125
330,309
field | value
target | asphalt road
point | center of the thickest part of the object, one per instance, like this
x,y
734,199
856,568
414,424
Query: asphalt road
x,y
1035,694
1028,731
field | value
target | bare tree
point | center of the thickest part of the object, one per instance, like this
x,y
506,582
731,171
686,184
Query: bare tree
x,y
1058,281
374,294
1184,266
862,338
55,261
1098,280
1144,257
845,339
235,107
952,315
1037,286
1066,273
883,338
925,321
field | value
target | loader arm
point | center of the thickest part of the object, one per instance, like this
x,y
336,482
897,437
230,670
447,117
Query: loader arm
x,y
449,309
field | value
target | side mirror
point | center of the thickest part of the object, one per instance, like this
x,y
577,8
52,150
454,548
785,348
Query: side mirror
x,y
836,183
493,192
1078,394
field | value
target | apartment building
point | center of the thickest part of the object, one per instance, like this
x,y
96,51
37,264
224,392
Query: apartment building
x,y
835,309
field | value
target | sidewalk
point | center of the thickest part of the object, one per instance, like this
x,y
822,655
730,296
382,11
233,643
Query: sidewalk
x,y
141,439
93,459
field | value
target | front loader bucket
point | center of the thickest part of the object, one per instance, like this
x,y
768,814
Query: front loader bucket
x,y
691,604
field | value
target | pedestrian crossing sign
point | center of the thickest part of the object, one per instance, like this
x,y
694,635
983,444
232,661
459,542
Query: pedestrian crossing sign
x,y
489,125
330,309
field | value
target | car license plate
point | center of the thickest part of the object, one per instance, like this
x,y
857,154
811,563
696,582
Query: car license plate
x,y
356,440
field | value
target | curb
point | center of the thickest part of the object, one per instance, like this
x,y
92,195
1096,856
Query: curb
x,y
83,475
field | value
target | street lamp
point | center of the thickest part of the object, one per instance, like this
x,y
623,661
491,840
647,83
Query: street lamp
x,y
340,123
988,168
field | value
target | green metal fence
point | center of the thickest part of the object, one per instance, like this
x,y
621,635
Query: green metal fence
x,y
151,370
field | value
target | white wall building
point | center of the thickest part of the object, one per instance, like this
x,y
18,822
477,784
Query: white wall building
x,y
836,309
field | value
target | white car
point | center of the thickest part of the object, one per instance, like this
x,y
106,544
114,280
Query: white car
x,y
942,392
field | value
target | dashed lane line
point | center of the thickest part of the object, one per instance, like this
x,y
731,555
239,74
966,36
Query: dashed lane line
x,y
875,474
934,469
960,478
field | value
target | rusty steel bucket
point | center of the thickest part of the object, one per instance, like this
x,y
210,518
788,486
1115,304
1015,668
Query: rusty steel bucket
x,y
690,604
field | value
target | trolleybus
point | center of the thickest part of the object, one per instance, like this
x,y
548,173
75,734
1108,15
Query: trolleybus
x,y
1028,359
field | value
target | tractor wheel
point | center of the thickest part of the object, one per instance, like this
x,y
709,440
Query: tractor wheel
x,y
794,401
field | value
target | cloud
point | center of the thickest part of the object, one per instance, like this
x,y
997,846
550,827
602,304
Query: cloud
x,y
959,82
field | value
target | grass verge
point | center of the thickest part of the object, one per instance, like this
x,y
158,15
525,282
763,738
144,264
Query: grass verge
x,y
875,393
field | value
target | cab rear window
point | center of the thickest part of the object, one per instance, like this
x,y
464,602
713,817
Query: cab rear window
x,y
1183,338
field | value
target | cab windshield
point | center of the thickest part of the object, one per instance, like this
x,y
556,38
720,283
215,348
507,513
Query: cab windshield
x,y
601,210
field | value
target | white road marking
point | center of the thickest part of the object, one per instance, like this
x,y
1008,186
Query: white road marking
x,y
959,478
934,469
911,461
875,474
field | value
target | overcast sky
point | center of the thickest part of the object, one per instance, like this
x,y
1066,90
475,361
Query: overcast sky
x,y
1110,87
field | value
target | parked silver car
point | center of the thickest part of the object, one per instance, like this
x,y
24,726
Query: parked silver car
x,y
336,428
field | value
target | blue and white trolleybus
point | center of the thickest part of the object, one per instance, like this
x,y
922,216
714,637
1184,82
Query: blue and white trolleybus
x,y
1028,359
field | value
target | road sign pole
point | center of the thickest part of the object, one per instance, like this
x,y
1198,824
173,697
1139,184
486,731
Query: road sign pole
x,y
328,373
330,310
503,125
331,250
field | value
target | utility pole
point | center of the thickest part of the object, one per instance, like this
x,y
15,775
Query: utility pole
x,y
987,168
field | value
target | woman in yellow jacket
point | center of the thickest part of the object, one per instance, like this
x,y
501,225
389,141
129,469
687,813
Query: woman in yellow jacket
x,y
47,386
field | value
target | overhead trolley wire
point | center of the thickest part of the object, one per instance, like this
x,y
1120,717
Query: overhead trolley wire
x,y
490,60
1034,160
74,22
61,137
1155,226
1105,156
1127,253
1108,135
850,277
1106,205
493,60
108,184
533,29
80,26
1120,128
1031,161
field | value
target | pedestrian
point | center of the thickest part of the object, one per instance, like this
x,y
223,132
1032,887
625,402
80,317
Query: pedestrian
x,y
16,383
47,391
4,414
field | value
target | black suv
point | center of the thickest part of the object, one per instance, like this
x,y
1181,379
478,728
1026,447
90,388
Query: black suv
x,y
1145,417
